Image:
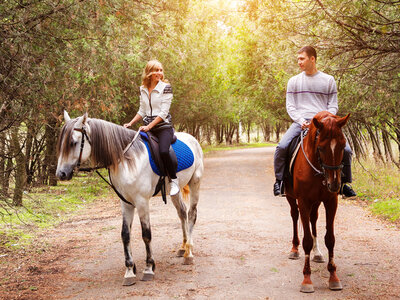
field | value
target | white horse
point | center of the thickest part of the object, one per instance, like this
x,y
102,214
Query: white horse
x,y
131,174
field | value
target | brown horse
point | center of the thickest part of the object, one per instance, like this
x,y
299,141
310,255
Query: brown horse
x,y
316,179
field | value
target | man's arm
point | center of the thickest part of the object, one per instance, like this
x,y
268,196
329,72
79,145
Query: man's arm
x,y
291,104
332,101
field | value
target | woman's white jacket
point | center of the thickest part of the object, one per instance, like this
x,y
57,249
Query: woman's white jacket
x,y
158,103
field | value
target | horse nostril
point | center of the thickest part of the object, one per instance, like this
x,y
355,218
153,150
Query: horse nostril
x,y
62,175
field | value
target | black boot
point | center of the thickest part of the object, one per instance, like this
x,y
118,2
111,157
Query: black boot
x,y
347,190
278,187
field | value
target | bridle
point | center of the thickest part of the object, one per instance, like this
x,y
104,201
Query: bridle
x,y
323,166
84,134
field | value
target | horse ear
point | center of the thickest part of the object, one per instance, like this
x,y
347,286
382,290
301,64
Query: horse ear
x,y
342,121
79,122
317,123
85,117
66,116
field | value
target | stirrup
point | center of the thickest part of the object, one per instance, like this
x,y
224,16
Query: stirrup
x,y
174,187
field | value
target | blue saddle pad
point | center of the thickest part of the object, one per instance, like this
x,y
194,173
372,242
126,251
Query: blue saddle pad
x,y
183,153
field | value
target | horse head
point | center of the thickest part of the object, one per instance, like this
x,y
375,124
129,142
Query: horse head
x,y
73,145
329,147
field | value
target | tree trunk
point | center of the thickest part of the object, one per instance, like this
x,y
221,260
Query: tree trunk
x,y
266,129
28,151
375,145
50,160
20,175
248,131
278,128
237,133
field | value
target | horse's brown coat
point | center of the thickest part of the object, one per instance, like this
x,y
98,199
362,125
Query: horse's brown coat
x,y
311,190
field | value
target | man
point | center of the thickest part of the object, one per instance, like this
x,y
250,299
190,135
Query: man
x,y
308,93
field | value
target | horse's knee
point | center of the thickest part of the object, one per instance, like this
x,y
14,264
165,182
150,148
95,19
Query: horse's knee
x,y
307,244
146,234
193,215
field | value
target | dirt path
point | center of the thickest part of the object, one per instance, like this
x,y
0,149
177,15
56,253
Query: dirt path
x,y
242,239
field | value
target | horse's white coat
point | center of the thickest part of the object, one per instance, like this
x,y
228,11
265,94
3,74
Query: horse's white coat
x,y
137,185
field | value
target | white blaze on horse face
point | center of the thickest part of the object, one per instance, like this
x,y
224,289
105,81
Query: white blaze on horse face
x,y
333,146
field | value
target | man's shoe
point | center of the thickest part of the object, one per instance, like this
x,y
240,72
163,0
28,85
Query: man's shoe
x,y
347,191
278,187
174,187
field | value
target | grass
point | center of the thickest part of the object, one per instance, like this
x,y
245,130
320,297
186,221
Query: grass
x,y
379,186
212,148
45,206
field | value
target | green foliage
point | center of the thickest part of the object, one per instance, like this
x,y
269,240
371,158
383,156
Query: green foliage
x,y
228,63
379,186
45,207
389,209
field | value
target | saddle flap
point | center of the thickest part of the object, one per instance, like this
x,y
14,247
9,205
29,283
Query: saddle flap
x,y
155,152
293,149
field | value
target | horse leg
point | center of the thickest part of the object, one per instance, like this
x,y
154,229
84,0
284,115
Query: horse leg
x,y
194,186
331,207
182,213
306,285
318,257
128,212
143,211
294,212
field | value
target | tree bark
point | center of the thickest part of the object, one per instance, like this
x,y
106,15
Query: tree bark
x,y
51,158
20,176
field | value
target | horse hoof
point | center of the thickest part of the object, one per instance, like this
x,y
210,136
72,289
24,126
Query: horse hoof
x,y
294,255
129,281
188,261
335,285
147,277
307,288
318,259
180,252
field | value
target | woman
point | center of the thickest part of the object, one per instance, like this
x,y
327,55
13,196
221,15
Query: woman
x,y
155,101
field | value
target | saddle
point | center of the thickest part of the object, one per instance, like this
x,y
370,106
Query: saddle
x,y
155,154
293,149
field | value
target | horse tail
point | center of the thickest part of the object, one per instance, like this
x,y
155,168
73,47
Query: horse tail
x,y
185,193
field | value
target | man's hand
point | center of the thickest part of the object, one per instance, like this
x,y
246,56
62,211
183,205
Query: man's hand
x,y
305,125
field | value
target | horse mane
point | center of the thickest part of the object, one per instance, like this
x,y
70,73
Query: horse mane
x,y
108,140
64,140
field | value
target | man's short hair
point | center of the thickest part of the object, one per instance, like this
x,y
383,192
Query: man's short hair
x,y
310,51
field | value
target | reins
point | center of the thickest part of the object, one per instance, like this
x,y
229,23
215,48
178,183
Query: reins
x,y
304,132
84,134
322,164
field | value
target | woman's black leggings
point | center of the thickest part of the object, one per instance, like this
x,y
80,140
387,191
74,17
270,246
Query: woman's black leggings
x,y
164,140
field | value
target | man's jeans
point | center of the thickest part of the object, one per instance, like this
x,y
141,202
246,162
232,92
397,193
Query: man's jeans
x,y
283,147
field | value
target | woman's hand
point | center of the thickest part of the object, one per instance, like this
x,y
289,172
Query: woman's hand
x,y
144,128
126,125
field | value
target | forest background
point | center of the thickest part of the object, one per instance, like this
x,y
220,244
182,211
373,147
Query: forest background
x,y
228,63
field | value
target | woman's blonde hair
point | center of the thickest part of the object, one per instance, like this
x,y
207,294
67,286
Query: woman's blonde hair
x,y
149,70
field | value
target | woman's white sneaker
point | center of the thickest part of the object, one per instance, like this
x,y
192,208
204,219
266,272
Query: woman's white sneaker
x,y
174,187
